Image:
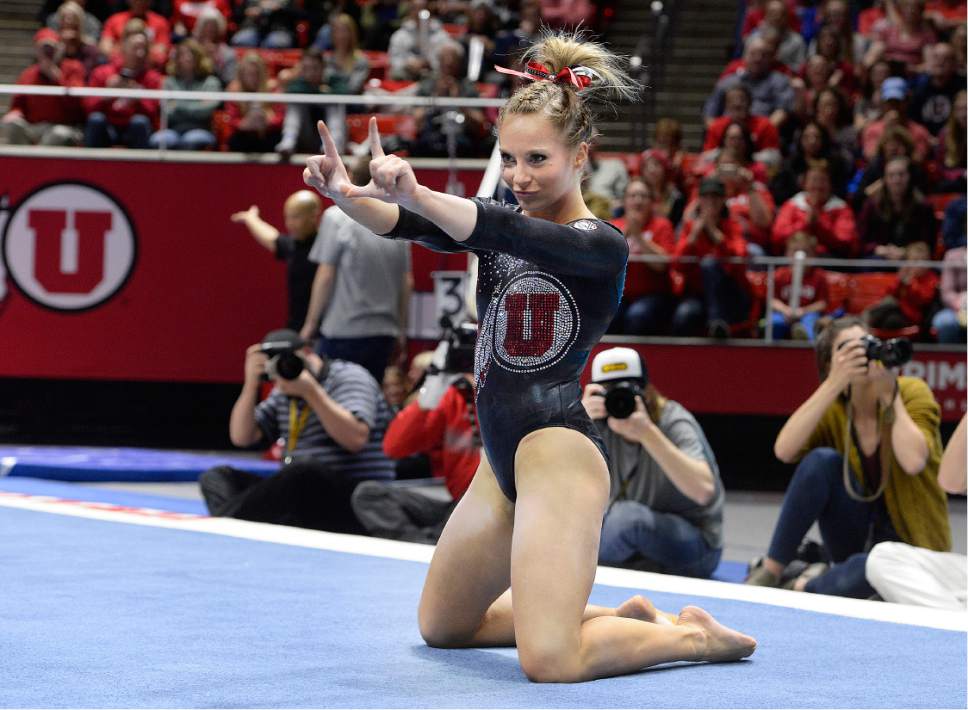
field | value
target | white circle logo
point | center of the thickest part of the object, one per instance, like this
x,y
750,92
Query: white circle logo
x,y
69,247
535,323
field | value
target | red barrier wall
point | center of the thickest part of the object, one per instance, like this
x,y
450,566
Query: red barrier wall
x,y
180,291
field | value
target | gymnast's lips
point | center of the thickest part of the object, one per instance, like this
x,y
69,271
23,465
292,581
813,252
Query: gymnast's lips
x,y
525,195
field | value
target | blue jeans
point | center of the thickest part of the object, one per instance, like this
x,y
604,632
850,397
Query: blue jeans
x,y
373,352
848,527
632,530
781,329
949,329
249,37
192,139
648,315
99,133
722,299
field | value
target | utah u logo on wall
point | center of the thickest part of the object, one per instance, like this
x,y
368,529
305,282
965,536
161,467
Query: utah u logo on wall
x,y
69,246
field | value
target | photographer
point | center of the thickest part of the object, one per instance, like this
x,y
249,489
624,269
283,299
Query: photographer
x,y
331,415
868,444
666,502
442,422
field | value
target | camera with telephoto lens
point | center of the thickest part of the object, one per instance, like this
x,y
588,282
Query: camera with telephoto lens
x,y
282,347
460,342
620,398
623,375
893,353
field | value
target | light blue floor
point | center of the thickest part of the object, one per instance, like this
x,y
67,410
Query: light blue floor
x,y
103,614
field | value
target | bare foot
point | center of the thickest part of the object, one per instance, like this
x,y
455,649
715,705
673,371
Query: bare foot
x,y
721,643
641,608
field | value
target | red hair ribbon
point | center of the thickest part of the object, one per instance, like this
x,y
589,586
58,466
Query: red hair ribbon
x,y
539,72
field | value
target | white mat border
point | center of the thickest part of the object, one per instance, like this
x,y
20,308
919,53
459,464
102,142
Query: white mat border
x,y
374,547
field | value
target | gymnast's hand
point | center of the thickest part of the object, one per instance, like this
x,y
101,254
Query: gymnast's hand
x,y
391,177
326,173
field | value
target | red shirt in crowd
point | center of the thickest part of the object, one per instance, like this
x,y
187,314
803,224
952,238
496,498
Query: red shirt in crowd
x,y
871,137
446,430
687,277
159,32
763,132
737,64
51,109
641,278
956,13
739,210
754,16
915,295
234,115
834,226
187,11
813,288
120,111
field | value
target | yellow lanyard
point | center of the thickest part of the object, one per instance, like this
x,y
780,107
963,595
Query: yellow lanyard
x,y
297,422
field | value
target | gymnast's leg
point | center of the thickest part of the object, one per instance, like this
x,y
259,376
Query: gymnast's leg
x,y
562,484
466,601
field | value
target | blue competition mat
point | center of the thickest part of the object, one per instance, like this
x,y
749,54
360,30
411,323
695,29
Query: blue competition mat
x,y
64,463
107,614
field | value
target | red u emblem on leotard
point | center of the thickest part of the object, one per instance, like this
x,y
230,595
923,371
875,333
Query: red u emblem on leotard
x,y
531,323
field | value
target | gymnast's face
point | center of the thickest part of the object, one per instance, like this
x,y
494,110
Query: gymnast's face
x,y
537,164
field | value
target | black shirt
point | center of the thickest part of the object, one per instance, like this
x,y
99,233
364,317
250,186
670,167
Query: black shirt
x,y
300,272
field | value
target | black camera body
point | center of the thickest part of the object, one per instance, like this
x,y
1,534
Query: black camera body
x,y
282,347
893,353
461,341
620,397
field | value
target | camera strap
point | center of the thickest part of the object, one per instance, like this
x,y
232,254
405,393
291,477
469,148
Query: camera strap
x,y
885,425
298,416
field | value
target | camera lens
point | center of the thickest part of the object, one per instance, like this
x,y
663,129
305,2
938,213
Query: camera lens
x,y
620,400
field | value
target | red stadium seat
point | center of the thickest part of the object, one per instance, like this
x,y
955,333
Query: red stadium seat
x,y
379,64
838,290
867,289
455,30
941,201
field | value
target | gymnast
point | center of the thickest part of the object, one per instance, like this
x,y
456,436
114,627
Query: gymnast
x,y
550,280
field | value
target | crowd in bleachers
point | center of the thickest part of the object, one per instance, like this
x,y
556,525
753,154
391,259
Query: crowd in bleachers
x,y
838,125
422,48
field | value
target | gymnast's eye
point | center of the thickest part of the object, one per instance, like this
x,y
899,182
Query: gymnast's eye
x,y
507,159
538,158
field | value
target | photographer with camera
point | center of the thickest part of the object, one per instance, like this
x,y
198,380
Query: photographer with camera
x,y
441,422
868,445
331,415
665,509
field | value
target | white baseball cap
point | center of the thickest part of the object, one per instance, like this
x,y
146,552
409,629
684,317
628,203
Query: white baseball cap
x,y
618,364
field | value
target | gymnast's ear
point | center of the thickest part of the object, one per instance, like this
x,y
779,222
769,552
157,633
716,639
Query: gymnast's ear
x,y
581,155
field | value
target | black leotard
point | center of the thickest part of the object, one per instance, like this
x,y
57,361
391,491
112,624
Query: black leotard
x,y
546,292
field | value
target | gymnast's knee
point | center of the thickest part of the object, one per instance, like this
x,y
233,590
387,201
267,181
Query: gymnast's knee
x,y
546,663
439,632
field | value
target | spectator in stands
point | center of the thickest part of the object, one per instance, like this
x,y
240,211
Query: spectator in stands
x,y
953,227
209,32
668,141
771,91
157,30
792,50
568,13
735,148
657,172
299,134
45,120
346,68
665,511
903,38
766,138
869,106
252,127
443,423
949,322
395,387
647,301
189,122
361,291
959,41
122,120
479,42
933,93
829,45
820,213
816,76
86,24
834,15
332,418
605,176
435,124
771,39
70,22
269,24
951,149
896,215
904,574
831,110
813,146
895,143
301,212
511,42
413,47
186,13
914,292
800,319
756,11
878,485
713,293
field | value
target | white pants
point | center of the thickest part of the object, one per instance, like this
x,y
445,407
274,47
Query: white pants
x,y
905,574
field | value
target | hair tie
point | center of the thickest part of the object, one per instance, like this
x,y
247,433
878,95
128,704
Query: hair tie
x,y
579,77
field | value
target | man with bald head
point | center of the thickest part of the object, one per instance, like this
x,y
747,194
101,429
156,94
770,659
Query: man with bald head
x,y
771,92
933,94
301,213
